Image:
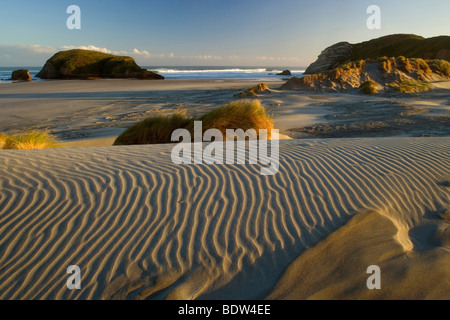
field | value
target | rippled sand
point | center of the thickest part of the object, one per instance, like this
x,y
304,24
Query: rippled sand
x,y
140,227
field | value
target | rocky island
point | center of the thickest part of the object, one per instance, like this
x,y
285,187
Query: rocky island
x,y
87,64
21,75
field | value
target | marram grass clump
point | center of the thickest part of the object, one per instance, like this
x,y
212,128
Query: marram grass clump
x,y
33,139
2,140
369,87
242,114
408,86
441,67
156,129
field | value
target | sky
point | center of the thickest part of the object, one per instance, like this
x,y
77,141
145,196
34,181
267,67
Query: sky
x,y
289,33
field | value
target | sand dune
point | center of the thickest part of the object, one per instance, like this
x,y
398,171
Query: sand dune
x,y
140,227
336,268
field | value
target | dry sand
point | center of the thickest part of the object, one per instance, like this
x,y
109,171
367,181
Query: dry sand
x,y
140,227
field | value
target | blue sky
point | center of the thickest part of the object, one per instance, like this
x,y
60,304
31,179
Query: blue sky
x,y
207,32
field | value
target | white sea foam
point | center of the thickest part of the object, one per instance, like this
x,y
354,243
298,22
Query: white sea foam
x,y
260,73
236,70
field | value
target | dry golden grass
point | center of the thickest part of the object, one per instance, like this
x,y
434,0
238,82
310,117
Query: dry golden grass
x,y
404,64
369,87
408,86
33,139
441,67
242,114
156,129
2,140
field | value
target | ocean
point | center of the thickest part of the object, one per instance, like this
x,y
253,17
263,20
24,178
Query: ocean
x,y
250,73
262,74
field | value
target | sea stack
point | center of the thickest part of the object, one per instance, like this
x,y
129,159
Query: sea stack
x,y
87,64
21,75
285,73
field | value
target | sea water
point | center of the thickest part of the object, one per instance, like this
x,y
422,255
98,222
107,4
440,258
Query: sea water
x,y
262,74
250,73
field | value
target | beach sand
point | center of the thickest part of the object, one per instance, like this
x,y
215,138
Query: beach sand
x,y
141,227
81,110
93,113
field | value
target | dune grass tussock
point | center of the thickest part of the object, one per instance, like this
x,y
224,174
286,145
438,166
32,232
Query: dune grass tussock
x,y
33,139
369,87
407,65
359,64
408,86
2,140
156,129
441,67
241,114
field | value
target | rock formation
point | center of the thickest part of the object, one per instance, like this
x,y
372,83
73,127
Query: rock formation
x,y
400,74
285,73
86,64
404,62
21,75
330,57
396,45
254,92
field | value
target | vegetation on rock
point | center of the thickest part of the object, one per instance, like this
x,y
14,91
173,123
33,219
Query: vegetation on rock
x,y
85,64
406,45
398,74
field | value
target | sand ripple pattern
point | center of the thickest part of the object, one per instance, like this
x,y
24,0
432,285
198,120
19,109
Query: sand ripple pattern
x,y
140,227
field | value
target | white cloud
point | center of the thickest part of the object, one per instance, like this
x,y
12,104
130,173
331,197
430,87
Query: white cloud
x,y
206,57
90,47
141,53
36,55
95,48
